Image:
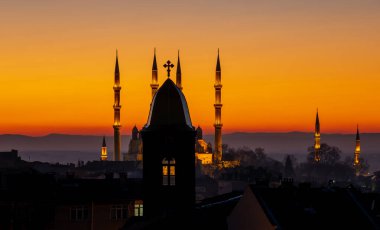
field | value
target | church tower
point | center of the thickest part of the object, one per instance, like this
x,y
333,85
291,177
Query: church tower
x,y
178,74
103,154
116,108
168,140
357,149
218,113
317,140
154,84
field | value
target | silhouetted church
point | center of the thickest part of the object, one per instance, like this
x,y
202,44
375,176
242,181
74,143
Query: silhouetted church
x,y
169,156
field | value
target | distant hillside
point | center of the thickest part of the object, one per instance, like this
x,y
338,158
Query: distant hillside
x,y
70,148
60,142
273,143
298,142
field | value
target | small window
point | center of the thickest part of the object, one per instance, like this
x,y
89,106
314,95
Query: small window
x,y
78,213
168,172
139,208
118,212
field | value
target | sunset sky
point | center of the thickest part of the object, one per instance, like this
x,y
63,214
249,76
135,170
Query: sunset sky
x,y
280,61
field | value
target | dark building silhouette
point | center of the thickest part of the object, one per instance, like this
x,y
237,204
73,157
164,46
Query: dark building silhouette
x,y
302,207
169,155
31,200
9,159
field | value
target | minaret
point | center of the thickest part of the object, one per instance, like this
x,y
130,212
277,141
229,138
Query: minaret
x,y
135,133
116,108
154,84
357,149
218,113
178,74
103,155
199,135
317,140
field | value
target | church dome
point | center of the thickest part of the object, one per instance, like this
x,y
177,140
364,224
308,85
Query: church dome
x,y
169,107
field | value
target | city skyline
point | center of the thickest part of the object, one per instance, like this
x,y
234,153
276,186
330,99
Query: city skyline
x,y
57,64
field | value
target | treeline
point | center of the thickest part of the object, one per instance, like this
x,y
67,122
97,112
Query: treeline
x,y
255,165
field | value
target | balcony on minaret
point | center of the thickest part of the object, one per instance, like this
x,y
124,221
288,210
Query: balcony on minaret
x,y
116,87
218,106
104,154
218,85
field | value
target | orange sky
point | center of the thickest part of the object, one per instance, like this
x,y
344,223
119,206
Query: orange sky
x,y
280,61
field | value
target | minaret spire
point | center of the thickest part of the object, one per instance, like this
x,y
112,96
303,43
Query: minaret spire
x,y
117,64
154,84
116,108
317,139
178,74
357,151
357,133
218,63
218,113
104,142
317,125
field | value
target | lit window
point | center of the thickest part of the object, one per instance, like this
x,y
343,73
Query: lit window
x,y
78,213
118,212
168,172
139,208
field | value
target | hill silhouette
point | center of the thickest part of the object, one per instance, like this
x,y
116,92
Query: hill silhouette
x,y
70,148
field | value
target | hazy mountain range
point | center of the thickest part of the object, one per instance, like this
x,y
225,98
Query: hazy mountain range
x,y
71,148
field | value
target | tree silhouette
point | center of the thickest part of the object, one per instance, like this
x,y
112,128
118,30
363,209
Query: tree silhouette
x,y
289,170
328,168
329,155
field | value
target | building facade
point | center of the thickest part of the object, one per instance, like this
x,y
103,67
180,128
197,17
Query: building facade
x,y
168,153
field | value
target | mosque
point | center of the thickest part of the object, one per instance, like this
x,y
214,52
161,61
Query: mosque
x,y
205,155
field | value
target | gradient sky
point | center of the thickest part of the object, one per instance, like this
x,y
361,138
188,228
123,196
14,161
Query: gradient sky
x,y
280,61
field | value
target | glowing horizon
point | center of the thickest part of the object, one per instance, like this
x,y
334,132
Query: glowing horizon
x,y
280,61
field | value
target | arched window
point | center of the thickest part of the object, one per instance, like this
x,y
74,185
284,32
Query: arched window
x,y
168,171
139,208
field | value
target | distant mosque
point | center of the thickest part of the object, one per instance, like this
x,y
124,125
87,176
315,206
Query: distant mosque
x,y
317,140
357,163
204,154
104,154
317,146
